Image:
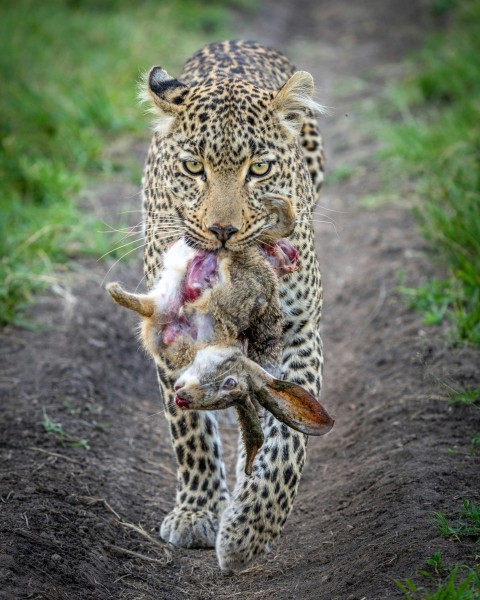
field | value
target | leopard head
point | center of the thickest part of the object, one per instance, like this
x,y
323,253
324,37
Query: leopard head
x,y
230,164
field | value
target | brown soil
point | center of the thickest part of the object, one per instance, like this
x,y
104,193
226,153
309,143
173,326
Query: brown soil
x,y
361,521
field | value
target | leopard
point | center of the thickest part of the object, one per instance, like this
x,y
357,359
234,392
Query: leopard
x,y
237,127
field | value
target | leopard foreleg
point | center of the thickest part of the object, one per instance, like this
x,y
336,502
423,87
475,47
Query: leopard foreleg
x,y
202,492
262,502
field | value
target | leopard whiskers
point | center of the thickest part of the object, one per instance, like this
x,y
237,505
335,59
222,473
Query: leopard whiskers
x,y
171,230
313,214
340,212
281,195
168,222
144,277
276,194
119,259
150,270
321,221
112,229
122,246
140,245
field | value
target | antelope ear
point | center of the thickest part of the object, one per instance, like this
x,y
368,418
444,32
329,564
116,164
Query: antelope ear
x,y
293,102
294,406
166,92
140,303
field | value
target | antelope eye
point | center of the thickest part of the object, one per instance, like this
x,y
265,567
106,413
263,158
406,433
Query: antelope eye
x,y
260,169
230,383
193,167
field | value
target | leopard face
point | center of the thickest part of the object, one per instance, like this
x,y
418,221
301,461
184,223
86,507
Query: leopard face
x,y
231,162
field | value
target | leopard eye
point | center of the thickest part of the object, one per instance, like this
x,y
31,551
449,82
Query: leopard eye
x,y
260,169
193,167
230,383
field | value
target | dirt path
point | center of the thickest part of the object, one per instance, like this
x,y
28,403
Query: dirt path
x,y
361,518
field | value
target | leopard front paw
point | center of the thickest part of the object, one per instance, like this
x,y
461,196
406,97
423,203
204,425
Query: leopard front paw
x,y
238,543
248,528
234,552
189,528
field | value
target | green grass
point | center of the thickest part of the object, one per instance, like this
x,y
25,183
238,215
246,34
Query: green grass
x,y
433,300
475,444
65,439
434,143
465,397
440,582
467,525
459,583
69,72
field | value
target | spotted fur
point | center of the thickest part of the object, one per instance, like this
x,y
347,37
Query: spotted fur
x,y
236,103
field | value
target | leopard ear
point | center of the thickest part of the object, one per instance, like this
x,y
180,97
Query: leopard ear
x,y
293,102
165,94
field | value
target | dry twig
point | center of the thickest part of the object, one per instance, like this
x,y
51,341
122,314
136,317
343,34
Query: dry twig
x,y
56,454
120,550
138,528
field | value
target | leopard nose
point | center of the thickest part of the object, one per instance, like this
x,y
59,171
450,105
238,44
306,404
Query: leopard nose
x,y
222,233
